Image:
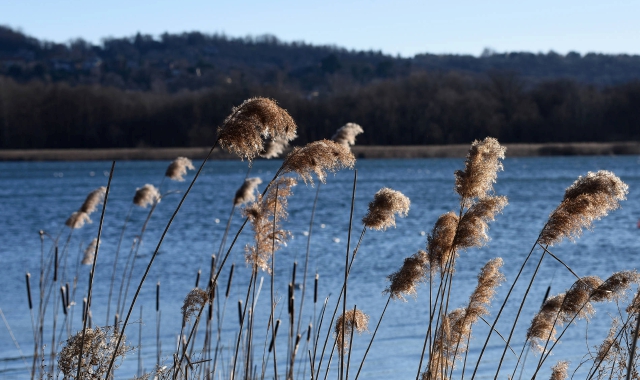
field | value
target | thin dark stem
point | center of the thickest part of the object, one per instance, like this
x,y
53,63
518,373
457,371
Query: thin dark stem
x,y
373,337
244,314
273,274
346,271
353,332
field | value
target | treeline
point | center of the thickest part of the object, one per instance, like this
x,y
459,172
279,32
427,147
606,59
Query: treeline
x,y
424,108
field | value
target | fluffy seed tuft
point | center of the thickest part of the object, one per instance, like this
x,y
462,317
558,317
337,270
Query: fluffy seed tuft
x,y
385,205
193,302
346,324
178,168
90,252
245,193
440,241
405,281
480,170
93,200
77,220
559,371
146,195
318,157
472,230
346,135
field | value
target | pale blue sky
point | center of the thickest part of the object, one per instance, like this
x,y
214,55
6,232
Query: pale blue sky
x,y
404,27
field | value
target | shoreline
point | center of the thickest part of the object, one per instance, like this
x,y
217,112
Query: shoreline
x,y
371,152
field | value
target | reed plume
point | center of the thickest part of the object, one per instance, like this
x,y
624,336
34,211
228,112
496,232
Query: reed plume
x,y
255,119
405,281
610,345
93,200
440,241
385,205
77,220
346,135
481,170
274,147
448,337
193,302
346,324
146,195
615,287
97,350
634,306
90,252
318,157
246,192
577,300
559,371
472,229
543,324
178,168
261,213
589,198
489,279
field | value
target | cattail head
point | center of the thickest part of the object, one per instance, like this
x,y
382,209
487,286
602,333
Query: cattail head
x,y
440,241
274,147
245,193
405,281
385,205
177,169
346,324
577,300
262,214
472,230
543,324
480,170
93,200
193,302
346,135
559,371
256,119
90,252
615,286
589,198
146,195
489,279
318,157
77,220
97,351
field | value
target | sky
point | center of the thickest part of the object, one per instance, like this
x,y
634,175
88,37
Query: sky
x,y
400,27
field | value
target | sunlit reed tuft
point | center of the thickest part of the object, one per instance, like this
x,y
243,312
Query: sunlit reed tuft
x,y
346,135
268,238
610,345
346,324
193,302
90,252
615,287
472,230
489,279
440,241
146,195
178,168
246,192
559,371
385,205
244,130
543,324
481,170
405,281
589,198
274,148
318,157
97,350
577,300
93,200
77,220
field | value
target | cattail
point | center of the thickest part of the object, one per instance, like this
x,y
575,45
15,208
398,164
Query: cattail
x,y
273,148
346,135
440,241
158,296
63,298
198,277
318,157
589,198
275,333
93,200
178,168
577,300
229,280
28,280
240,312
77,220
256,119
146,195
246,192
405,281
386,203
346,324
615,286
480,171
193,302
90,252
315,289
268,238
559,371
472,230
543,324
55,264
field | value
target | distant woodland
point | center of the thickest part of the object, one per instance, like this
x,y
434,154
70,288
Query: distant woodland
x,y
176,89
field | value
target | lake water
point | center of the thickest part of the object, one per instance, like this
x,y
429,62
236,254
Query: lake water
x,y
41,195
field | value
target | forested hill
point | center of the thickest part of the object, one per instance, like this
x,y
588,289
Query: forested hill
x,y
174,90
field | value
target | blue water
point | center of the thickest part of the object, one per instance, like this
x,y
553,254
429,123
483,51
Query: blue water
x,y
40,196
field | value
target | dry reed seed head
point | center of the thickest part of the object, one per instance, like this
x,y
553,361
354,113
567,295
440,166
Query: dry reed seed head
x,y
346,324
609,346
440,241
480,170
193,302
405,281
634,306
97,350
346,135
450,335
177,169
261,213
559,371
274,148
93,200
245,193
146,195
543,323
489,279
90,252
577,300
472,229
77,220
318,157
615,286
589,198
385,205
256,119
